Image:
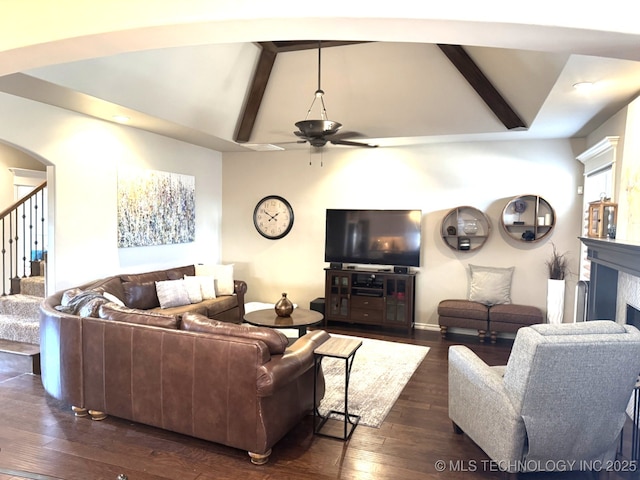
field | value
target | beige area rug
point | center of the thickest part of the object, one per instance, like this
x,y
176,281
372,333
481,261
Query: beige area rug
x,y
379,374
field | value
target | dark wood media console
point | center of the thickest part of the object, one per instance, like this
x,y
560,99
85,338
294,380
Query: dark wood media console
x,y
371,297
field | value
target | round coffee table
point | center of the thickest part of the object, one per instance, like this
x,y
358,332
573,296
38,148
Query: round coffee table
x,y
300,318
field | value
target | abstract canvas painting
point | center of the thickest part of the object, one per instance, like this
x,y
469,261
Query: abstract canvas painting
x,y
155,208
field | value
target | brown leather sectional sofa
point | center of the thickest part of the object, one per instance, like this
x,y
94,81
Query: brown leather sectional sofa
x,y
240,386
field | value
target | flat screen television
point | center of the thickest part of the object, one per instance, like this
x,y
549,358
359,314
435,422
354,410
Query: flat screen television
x,y
378,237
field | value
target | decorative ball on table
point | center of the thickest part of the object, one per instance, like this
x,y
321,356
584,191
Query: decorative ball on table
x,y
528,235
284,307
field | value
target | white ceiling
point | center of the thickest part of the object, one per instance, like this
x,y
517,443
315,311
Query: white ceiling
x,y
392,92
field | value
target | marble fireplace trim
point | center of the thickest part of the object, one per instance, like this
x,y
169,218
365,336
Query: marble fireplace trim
x,y
628,294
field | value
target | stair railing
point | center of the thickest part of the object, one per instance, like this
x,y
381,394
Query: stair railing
x,y
23,231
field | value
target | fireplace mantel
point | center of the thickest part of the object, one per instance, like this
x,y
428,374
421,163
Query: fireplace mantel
x,y
616,254
608,257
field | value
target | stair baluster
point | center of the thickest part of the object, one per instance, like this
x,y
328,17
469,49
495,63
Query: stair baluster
x,y
16,245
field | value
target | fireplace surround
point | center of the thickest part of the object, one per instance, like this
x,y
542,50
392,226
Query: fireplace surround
x,y
614,282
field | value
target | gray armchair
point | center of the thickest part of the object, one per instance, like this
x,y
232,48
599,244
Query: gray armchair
x,y
558,404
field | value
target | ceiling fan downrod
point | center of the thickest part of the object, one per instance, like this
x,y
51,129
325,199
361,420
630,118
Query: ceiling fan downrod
x,y
319,93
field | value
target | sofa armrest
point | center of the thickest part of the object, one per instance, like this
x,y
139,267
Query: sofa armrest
x,y
477,394
240,288
297,359
61,352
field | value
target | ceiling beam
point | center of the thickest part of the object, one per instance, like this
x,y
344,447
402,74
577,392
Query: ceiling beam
x,y
256,92
483,86
268,54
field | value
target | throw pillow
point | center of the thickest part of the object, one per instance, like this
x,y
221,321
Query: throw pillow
x,y
69,295
275,340
193,288
113,298
172,293
140,295
205,269
224,280
490,285
207,286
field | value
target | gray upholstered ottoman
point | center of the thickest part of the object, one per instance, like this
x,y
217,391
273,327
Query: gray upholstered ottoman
x,y
509,318
463,314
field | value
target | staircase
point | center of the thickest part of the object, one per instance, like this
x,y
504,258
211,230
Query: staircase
x,y
22,281
20,327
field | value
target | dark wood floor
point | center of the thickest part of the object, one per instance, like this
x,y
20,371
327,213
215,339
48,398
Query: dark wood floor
x,y
41,436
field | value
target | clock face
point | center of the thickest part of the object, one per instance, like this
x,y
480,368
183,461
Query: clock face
x,y
273,217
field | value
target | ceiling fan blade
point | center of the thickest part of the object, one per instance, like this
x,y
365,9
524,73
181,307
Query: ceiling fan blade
x,y
352,144
347,134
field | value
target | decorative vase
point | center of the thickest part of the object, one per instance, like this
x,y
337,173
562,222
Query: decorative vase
x,y
284,307
470,227
555,300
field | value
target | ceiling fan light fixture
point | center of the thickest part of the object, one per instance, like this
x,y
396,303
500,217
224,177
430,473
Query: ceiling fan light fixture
x,y
317,128
318,132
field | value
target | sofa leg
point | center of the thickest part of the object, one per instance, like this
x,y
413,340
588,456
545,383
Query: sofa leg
x,y
456,428
79,411
260,458
443,331
97,415
481,335
494,336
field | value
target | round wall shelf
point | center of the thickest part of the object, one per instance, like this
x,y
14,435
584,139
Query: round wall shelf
x,y
528,218
465,228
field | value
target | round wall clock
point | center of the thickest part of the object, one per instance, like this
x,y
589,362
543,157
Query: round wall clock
x,y
273,217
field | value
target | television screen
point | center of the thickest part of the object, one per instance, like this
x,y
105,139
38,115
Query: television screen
x,y
380,237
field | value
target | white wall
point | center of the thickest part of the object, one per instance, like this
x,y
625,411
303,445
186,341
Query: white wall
x,y
85,154
434,178
11,157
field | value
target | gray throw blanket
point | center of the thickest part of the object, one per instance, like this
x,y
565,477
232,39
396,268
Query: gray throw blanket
x,y
77,302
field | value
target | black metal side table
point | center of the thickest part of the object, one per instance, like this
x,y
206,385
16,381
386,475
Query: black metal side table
x,y
345,349
635,433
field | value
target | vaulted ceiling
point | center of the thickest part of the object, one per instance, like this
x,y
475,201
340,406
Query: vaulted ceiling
x,y
238,95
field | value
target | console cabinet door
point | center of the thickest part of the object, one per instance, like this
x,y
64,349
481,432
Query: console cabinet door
x,y
398,300
338,286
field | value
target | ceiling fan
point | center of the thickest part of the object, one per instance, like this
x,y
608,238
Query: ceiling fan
x,y
319,132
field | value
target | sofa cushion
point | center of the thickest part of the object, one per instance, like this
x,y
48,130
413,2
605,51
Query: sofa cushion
x,y
112,285
200,308
490,285
463,309
113,311
140,295
180,272
519,314
172,293
156,276
275,340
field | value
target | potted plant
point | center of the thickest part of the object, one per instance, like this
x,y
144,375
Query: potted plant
x,y
558,268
